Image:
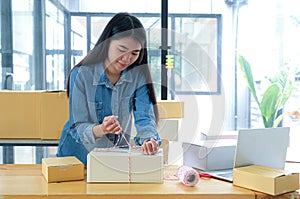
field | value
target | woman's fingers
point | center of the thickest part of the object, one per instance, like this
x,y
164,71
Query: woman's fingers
x,y
110,119
150,147
112,125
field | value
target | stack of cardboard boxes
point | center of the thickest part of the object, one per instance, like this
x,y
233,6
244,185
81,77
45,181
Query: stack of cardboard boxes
x,y
32,114
42,114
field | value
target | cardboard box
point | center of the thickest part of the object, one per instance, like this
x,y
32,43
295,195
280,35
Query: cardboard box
x,y
19,114
265,179
210,154
167,129
42,114
32,114
54,113
170,109
61,169
124,166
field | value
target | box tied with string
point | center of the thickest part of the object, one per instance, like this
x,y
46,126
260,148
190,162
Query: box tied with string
x,y
119,165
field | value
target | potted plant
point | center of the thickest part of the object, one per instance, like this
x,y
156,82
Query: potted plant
x,y
274,97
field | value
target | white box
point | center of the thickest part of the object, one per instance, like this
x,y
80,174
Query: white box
x,y
210,154
219,135
124,166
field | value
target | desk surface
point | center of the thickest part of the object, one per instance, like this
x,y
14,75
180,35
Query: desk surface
x,y
26,181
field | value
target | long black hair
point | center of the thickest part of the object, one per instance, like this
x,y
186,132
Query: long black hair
x,y
122,25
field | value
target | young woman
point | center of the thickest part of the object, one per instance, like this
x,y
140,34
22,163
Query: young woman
x,y
109,86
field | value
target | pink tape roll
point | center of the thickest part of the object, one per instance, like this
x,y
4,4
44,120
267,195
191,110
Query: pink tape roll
x,y
187,175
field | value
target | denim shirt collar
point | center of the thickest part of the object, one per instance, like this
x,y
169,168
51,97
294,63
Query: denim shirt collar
x,y
100,77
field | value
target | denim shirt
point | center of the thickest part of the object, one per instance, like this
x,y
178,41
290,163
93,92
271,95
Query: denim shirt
x,y
92,97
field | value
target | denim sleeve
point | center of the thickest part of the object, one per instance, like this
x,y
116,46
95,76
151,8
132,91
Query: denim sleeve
x,y
81,127
144,117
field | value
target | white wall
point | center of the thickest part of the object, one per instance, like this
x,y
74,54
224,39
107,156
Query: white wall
x,y
211,113
205,113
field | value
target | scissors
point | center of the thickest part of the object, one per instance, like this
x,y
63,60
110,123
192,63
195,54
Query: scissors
x,y
204,175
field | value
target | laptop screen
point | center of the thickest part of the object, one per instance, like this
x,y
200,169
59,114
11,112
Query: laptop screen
x,y
265,146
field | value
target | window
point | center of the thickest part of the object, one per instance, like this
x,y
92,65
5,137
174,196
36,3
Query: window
x,y
78,39
22,20
196,46
269,38
55,47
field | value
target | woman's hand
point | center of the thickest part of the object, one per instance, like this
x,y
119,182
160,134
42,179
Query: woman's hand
x,y
110,124
150,147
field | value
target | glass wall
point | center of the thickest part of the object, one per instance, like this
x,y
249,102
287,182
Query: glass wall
x,y
78,39
25,69
22,20
84,31
269,39
195,43
192,76
55,47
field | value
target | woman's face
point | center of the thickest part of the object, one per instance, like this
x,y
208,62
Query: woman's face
x,y
121,54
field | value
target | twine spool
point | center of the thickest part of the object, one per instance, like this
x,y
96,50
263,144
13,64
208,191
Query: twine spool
x,y
187,175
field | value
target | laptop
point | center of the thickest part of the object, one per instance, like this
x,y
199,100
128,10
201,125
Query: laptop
x,y
265,146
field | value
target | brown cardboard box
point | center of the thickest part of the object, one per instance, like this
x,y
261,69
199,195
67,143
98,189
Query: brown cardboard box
x,y
54,113
170,109
62,169
122,166
32,114
266,179
19,114
42,114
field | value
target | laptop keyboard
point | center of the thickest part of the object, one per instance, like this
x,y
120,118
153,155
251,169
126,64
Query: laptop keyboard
x,y
226,175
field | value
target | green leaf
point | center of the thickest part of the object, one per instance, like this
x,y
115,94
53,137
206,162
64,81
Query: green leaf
x,y
287,83
275,96
269,104
245,67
